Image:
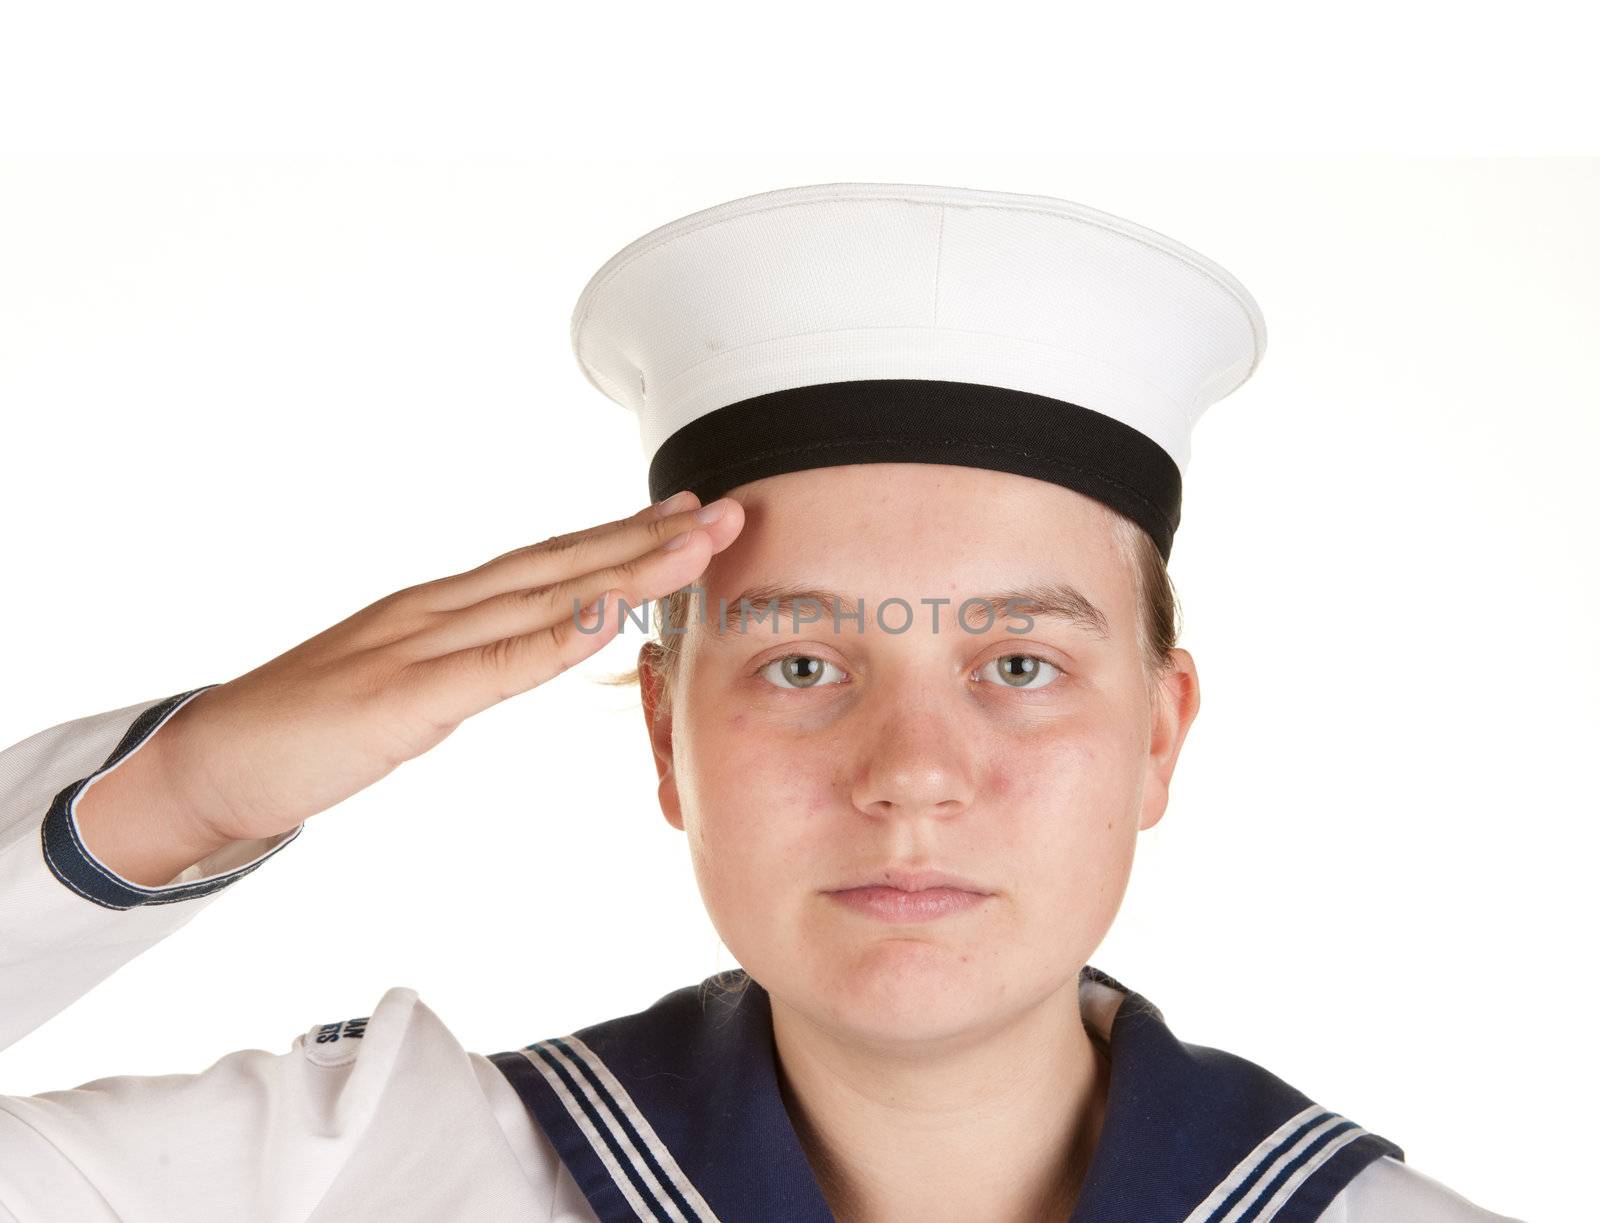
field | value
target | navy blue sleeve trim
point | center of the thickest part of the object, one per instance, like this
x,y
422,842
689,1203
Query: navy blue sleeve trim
x,y
76,867
1327,1182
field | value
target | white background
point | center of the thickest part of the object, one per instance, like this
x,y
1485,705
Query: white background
x,y
246,391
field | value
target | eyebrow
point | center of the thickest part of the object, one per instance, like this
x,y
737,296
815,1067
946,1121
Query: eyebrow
x,y
1053,600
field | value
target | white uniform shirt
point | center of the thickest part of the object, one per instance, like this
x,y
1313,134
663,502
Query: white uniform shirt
x,y
392,1119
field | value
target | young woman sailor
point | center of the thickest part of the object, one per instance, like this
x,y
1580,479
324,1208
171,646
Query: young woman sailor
x,y
925,401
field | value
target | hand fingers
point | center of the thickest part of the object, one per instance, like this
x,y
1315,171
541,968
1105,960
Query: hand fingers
x,y
496,665
567,556
470,680
675,504
522,612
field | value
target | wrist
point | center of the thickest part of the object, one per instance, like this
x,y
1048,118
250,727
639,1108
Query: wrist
x,y
136,823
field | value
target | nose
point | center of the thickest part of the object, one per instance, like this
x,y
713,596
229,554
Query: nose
x,y
915,761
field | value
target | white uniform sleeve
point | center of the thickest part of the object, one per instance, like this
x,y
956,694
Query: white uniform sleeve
x,y
66,920
1389,1191
385,1117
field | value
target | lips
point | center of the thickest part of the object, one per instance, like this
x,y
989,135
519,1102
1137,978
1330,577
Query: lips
x,y
891,904
914,881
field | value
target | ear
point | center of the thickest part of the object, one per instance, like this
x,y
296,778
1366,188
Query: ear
x,y
658,724
1173,707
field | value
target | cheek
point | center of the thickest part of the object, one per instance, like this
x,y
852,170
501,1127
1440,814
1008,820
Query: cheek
x,y
1077,813
1003,782
1070,809
1092,771
753,805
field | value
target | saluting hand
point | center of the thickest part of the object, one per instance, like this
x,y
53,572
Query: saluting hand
x,y
258,755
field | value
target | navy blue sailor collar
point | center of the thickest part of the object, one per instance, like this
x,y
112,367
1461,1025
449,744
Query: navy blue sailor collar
x,y
675,1113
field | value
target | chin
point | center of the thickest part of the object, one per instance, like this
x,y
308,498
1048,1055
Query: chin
x,y
901,987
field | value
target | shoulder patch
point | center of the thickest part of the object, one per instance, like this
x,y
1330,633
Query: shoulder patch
x,y
334,1044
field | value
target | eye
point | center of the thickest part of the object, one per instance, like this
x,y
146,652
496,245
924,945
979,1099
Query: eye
x,y
1018,670
797,670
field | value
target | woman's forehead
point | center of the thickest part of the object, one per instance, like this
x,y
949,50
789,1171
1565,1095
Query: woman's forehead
x,y
942,523
913,531
945,503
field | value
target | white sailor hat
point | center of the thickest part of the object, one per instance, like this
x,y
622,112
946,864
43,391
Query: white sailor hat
x,y
885,322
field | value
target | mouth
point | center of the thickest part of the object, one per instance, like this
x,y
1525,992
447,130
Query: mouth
x,y
892,904
895,895
909,881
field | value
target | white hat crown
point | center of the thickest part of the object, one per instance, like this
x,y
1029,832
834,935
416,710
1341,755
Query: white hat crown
x,y
834,284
